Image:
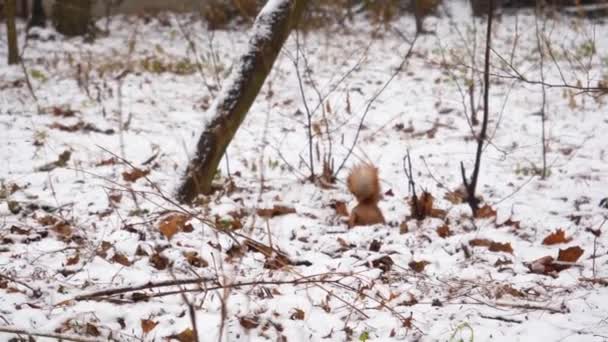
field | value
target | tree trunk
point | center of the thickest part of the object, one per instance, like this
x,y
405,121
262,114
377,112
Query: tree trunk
x,y
269,32
11,31
23,11
72,17
38,18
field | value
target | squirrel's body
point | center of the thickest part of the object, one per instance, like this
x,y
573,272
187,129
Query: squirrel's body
x,y
364,184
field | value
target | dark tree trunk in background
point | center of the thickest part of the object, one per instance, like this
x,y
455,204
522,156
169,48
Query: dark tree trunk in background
x,y
232,105
72,17
38,18
24,10
11,31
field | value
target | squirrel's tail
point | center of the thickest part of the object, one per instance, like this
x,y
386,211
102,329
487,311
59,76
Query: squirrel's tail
x,y
363,182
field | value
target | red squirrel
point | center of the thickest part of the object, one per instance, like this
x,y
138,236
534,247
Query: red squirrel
x,y
364,184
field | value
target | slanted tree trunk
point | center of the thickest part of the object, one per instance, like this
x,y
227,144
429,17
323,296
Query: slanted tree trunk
x,y
72,17
269,32
38,18
11,31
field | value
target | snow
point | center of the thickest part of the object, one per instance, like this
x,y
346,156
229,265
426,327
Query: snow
x,y
164,112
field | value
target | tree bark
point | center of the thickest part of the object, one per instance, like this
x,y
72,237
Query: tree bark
x,y
72,17
270,30
11,31
38,18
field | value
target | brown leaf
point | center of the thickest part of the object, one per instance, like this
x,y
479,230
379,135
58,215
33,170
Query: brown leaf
x,y
455,197
134,174
340,207
511,223
384,263
277,210
109,161
160,262
542,265
418,266
195,260
297,314
492,245
92,330
486,212
47,220
147,325
63,229
375,245
501,247
570,254
73,260
444,231
172,224
559,236
185,336
249,322
121,259
480,242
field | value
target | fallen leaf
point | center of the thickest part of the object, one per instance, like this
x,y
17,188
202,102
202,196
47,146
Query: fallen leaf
x,y
105,162
195,260
277,210
73,260
121,259
172,224
63,229
384,263
185,336
147,325
92,330
249,322
444,231
492,245
485,212
559,236
570,254
298,314
375,245
480,242
160,262
134,174
418,266
455,197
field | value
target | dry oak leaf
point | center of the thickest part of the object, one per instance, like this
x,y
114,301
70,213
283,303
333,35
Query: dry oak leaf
x,y
570,254
444,231
297,314
492,245
92,330
121,259
455,197
160,262
485,212
73,260
249,322
418,266
147,325
172,224
134,174
277,210
559,236
195,260
501,247
184,336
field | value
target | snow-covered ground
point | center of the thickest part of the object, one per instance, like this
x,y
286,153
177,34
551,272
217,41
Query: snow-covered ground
x,y
139,96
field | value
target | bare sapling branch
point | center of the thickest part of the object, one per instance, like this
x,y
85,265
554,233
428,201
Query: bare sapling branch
x,y
471,185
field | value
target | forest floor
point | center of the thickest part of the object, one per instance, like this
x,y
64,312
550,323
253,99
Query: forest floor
x,y
96,137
